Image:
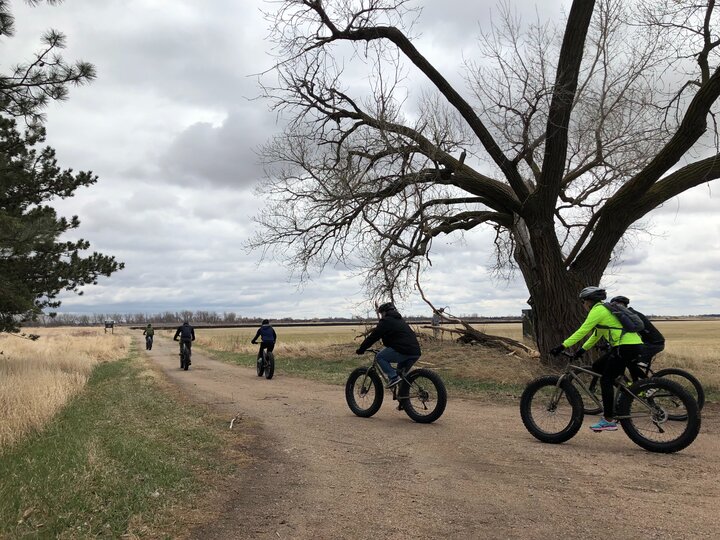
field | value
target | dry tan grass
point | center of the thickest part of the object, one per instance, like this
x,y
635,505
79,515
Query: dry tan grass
x,y
292,341
38,377
691,345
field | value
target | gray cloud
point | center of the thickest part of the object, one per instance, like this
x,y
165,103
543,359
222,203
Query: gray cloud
x,y
170,130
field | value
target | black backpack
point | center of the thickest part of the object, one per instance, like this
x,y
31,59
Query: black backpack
x,y
628,319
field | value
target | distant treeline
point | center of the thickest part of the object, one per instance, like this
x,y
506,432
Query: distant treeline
x,y
213,318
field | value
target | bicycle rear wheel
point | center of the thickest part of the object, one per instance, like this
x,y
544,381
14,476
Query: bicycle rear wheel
x,y
423,397
551,413
364,392
687,381
270,366
659,415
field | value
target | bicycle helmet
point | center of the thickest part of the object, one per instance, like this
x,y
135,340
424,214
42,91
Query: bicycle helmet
x,y
384,308
595,294
265,321
624,300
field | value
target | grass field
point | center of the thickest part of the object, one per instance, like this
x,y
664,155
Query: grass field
x,y
327,353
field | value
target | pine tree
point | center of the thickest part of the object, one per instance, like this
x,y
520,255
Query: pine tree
x,y
35,264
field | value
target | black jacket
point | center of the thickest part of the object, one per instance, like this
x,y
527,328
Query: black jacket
x,y
186,333
649,334
394,333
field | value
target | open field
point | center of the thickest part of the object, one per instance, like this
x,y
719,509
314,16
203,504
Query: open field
x,y
691,345
37,378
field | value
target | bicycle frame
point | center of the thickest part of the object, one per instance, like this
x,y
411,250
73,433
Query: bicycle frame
x,y
375,366
571,372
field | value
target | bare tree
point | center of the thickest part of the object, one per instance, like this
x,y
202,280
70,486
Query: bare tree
x,y
567,139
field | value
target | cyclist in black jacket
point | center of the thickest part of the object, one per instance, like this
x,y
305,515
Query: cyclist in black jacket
x,y
653,340
401,344
186,333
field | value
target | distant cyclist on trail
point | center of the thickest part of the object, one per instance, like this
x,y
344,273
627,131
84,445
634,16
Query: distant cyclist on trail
x,y
653,340
401,344
624,348
149,332
185,334
268,338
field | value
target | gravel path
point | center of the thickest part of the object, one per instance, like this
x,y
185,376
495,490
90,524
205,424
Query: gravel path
x,y
320,472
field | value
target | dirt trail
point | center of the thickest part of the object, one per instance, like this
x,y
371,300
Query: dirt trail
x,y
321,472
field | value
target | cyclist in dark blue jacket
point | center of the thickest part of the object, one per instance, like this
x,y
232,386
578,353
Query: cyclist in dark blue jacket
x,y
268,337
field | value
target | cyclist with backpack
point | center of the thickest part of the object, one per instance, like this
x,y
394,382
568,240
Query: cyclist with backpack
x,y
149,332
624,347
653,340
185,334
267,336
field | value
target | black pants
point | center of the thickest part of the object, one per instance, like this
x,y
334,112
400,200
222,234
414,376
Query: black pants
x,y
610,366
647,353
269,345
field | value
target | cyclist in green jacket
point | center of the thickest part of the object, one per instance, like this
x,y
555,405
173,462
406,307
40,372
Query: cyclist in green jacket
x,y
624,348
149,334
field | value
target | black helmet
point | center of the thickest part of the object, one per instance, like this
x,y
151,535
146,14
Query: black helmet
x,y
265,321
384,308
620,300
593,293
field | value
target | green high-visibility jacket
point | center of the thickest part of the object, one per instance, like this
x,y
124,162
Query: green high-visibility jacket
x,y
603,324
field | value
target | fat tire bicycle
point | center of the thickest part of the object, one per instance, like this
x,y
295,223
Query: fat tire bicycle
x,y
657,414
421,392
265,364
185,355
148,343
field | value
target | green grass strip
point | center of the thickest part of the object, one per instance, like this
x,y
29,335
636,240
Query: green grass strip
x,y
119,459
337,371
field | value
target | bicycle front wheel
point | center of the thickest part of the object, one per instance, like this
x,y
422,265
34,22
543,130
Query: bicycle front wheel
x,y
552,413
659,415
687,381
270,366
364,392
423,397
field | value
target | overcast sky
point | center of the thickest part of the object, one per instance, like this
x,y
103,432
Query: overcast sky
x,y
171,126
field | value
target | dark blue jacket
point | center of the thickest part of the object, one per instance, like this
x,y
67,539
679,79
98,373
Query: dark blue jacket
x,y
267,333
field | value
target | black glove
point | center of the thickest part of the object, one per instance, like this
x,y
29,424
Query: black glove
x,y
557,350
359,351
253,342
578,353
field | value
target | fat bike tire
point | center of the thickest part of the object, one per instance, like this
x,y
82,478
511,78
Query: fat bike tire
x,y
551,413
423,396
364,392
270,366
659,415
